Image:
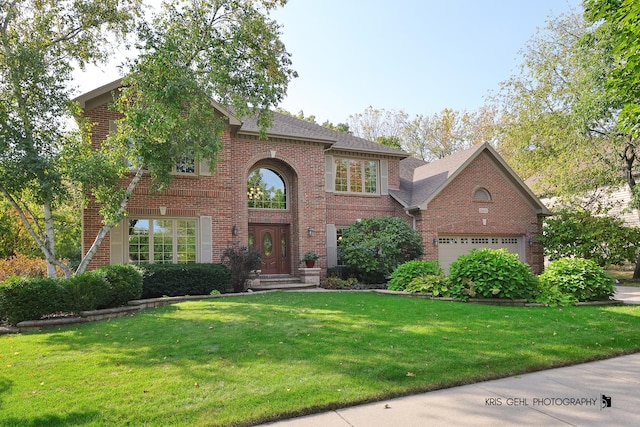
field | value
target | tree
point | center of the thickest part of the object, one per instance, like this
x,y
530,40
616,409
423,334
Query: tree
x,y
40,42
191,53
377,246
579,233
442,134
373,123
561,121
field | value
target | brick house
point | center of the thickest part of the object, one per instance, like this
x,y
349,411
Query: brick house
x,y
297,190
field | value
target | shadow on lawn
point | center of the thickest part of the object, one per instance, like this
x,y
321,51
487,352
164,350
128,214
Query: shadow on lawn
x,y
73,419
362,341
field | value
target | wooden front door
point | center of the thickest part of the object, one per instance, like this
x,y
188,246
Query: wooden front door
x,y
272,240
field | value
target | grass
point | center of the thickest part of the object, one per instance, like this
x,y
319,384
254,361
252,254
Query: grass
x,y
624,277
251,359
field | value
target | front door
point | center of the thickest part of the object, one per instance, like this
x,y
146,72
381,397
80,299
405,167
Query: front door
x,y
272,240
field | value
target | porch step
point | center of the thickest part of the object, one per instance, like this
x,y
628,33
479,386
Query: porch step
x,y
281,282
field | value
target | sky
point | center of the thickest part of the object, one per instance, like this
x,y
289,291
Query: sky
x,y
419,56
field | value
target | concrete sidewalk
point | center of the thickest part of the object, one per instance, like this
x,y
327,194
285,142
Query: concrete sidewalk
x,y
571,396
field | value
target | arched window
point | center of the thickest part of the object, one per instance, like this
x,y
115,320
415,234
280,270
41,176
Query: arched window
x,y
266,189
482,195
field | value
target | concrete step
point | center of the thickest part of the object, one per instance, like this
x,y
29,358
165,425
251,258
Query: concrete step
x,y
282,283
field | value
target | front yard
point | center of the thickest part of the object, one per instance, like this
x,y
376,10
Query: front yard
x,y
250,359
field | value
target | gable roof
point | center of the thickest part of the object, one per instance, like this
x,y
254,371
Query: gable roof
x,y
421,183
283,126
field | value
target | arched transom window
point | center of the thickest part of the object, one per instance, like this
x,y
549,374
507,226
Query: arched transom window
x,y
266,189
482,195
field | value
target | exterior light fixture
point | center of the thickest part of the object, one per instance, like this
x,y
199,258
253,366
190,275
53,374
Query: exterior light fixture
x,y
310,231
234,230
435,241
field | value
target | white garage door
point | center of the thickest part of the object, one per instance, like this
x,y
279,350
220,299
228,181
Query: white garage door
x,y
451,247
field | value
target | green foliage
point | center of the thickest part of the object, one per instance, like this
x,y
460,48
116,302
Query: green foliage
x,y
124,283
183,279
407,272
375,247
30,298
580,279
86,291
434,284
310,256
578,233
241,261
491,273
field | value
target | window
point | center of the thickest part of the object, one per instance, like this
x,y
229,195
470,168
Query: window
x,y
356,176
162,241
186,164
266,190
482,195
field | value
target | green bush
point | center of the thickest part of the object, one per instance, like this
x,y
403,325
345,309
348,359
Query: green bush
x,y
30,298
124,283
183,279
578,278
86,291
375,247
434,284
491,273
407,272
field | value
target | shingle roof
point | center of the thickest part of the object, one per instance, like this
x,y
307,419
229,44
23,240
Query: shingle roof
x,y
290,127
420,183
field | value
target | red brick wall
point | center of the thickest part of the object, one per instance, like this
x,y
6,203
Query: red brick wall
x,y
455,212
302,165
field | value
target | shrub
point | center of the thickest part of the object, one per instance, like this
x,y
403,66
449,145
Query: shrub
x,y
491,273
405,273
124,283
241,261
335,282
23,266
434,284
579,278
86,291
183,279
579,233
30,298
375,247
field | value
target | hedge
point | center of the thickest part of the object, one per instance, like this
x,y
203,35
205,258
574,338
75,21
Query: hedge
x,y
183,279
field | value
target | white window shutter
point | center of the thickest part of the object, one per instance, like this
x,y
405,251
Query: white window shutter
x,y
384,177
329,182
203,168
332,246
206,240
116,245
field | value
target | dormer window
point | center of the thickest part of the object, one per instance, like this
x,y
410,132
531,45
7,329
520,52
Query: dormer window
x,y
482,195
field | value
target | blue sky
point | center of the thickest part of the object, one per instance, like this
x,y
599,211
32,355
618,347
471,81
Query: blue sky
x,y
420,56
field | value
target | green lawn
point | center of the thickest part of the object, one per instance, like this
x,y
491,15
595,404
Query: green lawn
x,y
245,360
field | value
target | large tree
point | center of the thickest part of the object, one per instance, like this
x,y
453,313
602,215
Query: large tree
x,y
562,122
190,54
40,43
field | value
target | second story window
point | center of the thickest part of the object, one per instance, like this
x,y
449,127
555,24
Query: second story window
x,y
356,176
266,189
186,164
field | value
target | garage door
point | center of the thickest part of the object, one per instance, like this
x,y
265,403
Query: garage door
x,y
451,247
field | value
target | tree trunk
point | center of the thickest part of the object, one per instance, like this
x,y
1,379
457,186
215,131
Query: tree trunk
x,y
49,241
86,259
